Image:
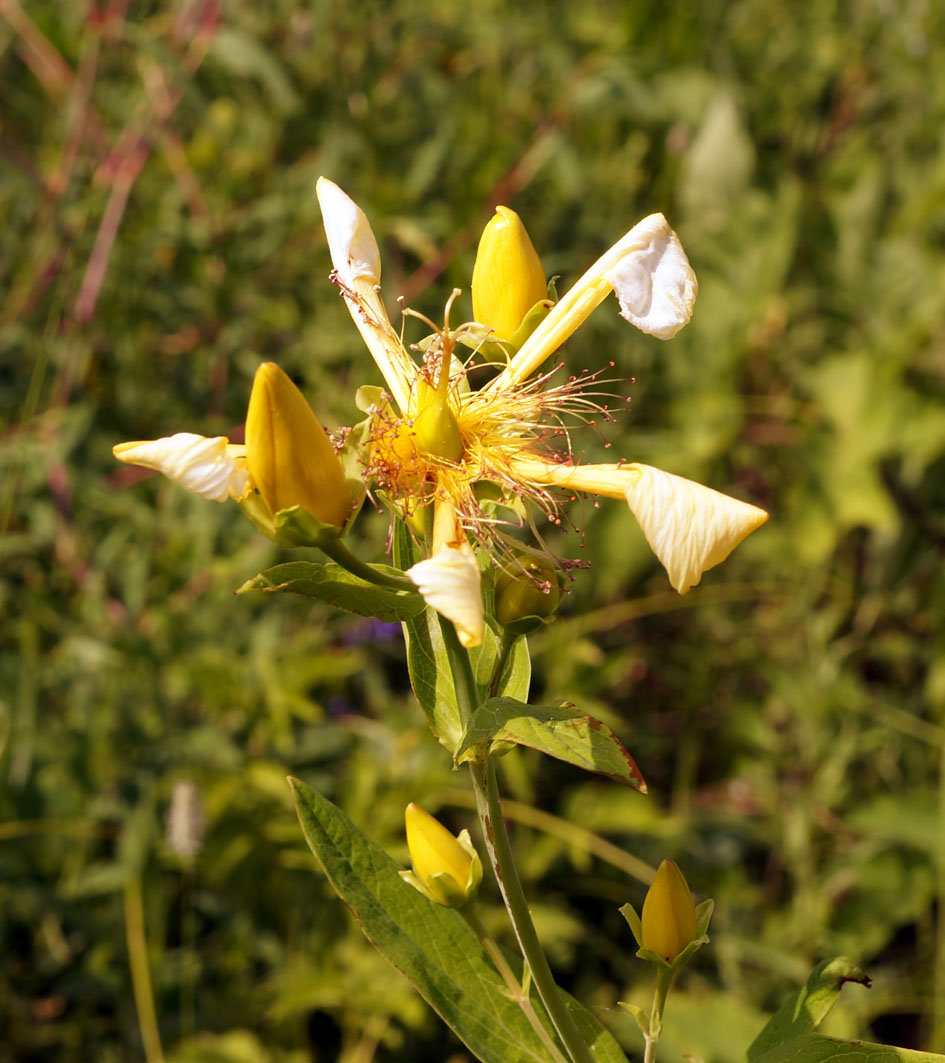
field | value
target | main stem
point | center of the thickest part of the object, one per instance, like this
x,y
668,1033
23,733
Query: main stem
x,y
489,808
503,863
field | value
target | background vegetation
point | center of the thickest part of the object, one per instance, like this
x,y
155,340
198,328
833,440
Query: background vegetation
x,y
160,237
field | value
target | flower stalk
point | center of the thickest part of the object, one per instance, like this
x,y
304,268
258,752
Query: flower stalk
x,y
499,848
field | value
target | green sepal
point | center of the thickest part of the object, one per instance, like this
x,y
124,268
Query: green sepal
x,y
335,585
296,527
642,1017
485,342
491,496
560,731
258,514
532,319
370,397
636,924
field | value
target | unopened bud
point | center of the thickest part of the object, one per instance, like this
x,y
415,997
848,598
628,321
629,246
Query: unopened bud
x,y
289,455
669,915
446,868
508,279
526,588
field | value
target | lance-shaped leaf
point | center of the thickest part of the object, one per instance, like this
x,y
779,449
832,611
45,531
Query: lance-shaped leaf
x,y
433,946
563,732
814,1048
809,1006
335,585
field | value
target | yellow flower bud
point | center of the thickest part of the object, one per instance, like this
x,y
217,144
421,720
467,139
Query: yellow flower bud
x,y
669,916
507,278
448,870
289,455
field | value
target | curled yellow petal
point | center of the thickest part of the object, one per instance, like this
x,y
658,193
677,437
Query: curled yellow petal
x,y
689,527
211,467
449,582
508,278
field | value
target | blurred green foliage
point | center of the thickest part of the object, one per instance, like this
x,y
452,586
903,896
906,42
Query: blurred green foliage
x,y
160,237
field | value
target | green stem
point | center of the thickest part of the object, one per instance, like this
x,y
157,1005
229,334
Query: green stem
x,y
938,1017
337,551
518,991
503,864
664,979
489,808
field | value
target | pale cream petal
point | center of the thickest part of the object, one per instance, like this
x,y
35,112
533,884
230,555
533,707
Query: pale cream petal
x,y
210,467
449,582
354,250
654,282
357,261
689,527
656,288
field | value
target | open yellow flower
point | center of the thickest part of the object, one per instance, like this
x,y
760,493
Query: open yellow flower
x,y
436,442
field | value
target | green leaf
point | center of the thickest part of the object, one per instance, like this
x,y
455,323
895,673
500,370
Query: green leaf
x,y
335,585
814,1048
433,946
563,732
516,675
809,1006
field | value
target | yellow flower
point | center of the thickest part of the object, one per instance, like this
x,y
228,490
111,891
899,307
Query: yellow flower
x,y
446,868
507,277
669,915
498,436
290,457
